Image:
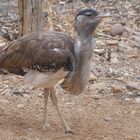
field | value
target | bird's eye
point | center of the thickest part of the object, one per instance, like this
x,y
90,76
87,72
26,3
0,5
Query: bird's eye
x,y
89,14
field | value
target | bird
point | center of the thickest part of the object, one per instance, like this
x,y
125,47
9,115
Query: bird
x,y
50,57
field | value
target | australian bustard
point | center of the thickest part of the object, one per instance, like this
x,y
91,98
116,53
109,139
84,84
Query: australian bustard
x,y
48,57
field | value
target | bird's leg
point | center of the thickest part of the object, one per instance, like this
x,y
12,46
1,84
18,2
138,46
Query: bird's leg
x,y
46,95
55,103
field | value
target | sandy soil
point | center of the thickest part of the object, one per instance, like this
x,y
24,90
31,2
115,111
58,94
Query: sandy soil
x,y
97,114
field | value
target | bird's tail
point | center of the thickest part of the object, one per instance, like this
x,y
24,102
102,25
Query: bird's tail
x,y
18,71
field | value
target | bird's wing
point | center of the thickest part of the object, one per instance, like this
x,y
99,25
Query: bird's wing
x,y
39,51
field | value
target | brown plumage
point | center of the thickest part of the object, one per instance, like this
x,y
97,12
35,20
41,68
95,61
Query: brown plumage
x,y
49,57
39,50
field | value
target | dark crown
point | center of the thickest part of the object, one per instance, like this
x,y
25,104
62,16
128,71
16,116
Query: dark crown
x,y
87,12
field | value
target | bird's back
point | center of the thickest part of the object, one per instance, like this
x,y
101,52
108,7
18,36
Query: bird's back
x,y
39,51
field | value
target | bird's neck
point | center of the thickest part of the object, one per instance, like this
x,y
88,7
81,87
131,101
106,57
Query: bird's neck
x,y
78,79
82,73
85,55
87,46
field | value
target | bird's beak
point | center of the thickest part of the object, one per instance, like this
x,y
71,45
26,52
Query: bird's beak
x,y
104,15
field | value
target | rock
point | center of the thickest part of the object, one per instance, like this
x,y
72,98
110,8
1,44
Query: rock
x,y
3,101
133,112
98,86
20,105
127,99
138,135
69,1
138,77
99,51
108,119
117,89
40,95
117,29
137,100
133,85
85,1
26,96
29,129
120,79
96,97
112,42
93,77
62,2
95,72
114,58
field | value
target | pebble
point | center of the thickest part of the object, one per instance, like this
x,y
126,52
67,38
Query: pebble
x,y
133,112
93,77
112,42
20,105
30,129
96,97
4,101
108,119
138,135
126,99
26,96
114,58
137,100
117,29
98,86
133,85
99,51
138,77
40,95
117,89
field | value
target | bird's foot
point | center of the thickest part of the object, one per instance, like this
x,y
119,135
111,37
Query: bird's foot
x,y
68,131
46,125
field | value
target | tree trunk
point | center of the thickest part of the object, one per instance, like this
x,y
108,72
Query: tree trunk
x,y
31,12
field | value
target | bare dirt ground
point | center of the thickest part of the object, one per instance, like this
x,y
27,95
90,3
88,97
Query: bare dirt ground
x,y
100,117
110,107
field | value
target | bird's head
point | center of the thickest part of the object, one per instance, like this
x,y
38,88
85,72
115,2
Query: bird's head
x,y
87,20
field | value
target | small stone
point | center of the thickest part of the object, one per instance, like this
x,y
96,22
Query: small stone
x,y
138,77
3,101
114,58
121,79
133,112
93,77
40,95
117,29
26,96
30,129
126,99
112,42
62,3
96,97
20,105
108,119
138,135
137,100
99,51
98,86
133,85
117,89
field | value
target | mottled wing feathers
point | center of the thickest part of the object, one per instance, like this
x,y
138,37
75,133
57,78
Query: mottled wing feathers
x,y
39,51
15,56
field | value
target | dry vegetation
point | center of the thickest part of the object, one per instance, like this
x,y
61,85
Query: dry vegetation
x,y
110,108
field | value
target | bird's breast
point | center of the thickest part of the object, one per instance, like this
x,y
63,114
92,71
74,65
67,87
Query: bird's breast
x,y
45,79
